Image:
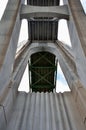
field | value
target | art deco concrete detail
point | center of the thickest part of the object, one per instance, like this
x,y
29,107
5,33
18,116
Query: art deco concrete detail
x,y
43,111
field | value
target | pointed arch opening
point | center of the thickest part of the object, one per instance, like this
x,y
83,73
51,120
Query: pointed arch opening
x,y
42,67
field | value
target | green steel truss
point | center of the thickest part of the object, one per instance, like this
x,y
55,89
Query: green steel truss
x,y
43,69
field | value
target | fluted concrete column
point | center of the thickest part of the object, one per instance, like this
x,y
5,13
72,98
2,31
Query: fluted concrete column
x,y
9,33
77,30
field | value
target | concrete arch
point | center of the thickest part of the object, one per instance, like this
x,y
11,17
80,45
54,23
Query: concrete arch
x,y
35,47
54,49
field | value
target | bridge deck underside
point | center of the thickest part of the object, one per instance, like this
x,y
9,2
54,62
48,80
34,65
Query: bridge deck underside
x,y
43,28
42,69
43,2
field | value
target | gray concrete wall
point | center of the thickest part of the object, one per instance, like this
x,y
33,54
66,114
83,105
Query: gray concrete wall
x,y
9,96
3,122
72,80
75,84
45,111
77,30
9,33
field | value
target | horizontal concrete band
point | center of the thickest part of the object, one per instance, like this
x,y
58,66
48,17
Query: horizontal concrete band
x,y
61,12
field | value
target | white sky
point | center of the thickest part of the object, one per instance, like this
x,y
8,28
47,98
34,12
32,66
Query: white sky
x,y
83,2
2,6
63,36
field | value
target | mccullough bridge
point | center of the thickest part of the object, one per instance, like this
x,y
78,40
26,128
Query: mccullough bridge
x,y
42,108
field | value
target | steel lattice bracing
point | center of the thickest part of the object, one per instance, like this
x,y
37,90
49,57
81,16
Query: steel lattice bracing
x,y
43,70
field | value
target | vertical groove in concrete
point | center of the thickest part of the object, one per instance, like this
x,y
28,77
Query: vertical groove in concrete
x,y
58,112
45,111
18,110
52,105
26,112
68,112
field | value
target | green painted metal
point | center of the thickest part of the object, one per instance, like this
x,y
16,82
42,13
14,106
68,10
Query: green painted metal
x,y
42,86
42,77
43,69
46,59
41,56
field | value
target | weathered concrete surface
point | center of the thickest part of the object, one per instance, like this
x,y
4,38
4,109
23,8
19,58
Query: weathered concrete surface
x,y
79,18
8,104
3,122
9,33
19,66
77,30
45,111
21,109
51,111
7,99
66,52
69,71
80,101
27,11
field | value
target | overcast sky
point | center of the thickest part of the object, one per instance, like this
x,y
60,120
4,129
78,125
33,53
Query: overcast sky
x,y
83,2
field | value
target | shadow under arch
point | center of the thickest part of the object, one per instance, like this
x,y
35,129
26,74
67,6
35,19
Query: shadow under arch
x,y
54,49
42,70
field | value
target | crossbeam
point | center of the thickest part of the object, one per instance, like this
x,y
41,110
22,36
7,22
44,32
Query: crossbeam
x,y
27,12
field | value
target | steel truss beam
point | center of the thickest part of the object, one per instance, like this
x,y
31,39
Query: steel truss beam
x,y
47,60
41,56
42,78
42,74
